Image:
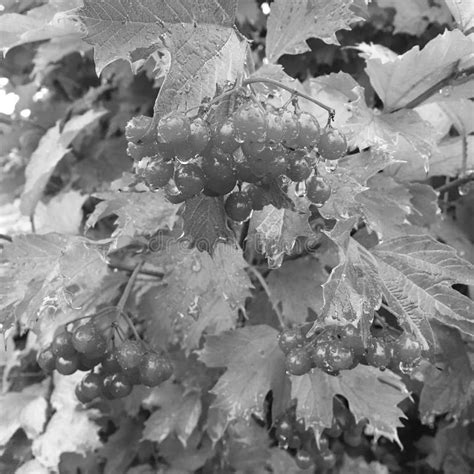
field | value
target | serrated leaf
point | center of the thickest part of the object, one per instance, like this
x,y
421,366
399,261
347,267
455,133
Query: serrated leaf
x,y
205,49
290,24
178,413
463,12
297,286
352,292
204,222
137,213
202,293
424,204
255,365
52,148
371,394
407,76
417,273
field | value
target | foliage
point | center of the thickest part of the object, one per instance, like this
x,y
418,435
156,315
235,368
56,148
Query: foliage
x,y
272,201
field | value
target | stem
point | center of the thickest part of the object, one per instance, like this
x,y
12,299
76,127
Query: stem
x,y
128,288
6,237
130,268
254,80
456,183
266,289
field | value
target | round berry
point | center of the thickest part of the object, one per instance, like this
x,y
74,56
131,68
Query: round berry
x,y
298,168
406,350
110,364
378,353
62,344
238,206
46,360
332,144
319,354
289,339
137,128
258,197
105,389
274,127
173,129
189,180
303,459
290,128
252,150
86,363
138,152
318,191
339,357
351,338
119,385
219,173
284,428
328,460
80,395
309,130
298,361
224,137
133,376
173,194
129,354
88,340
91,385
155,369
155,171
250,123
277,162
200,135
243,172
67,365
262,164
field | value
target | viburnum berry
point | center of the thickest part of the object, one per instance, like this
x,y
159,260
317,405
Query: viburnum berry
x,y
200,135
274,127
318,191
298,167
290,128
289,339
328,460
332,144
277,163
298,361
252,150
243,172
218,173
91,386
308,130
155,171
110,364
339,357
238,206
173,194
406,350
67,365
154,369
129,354
262,163
137,152
173,129
62,344
378,353
137,127
319,354
224,137
189,180
284,428
257,196
351,338
87,363
119,385
88,340
250,123
46,360
303,459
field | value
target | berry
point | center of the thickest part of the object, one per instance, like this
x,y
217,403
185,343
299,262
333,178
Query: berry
x,y
406,350
257,196
249,123
298,168
328,460
243,172
339,357
133,376
309,130
173,129
318,190
238,206
350,338
86,363
298,361
129,354
80,395
136,128
224,137
289,339
105,389
67,365
119,385
277,161
110,364
91,386
46,360
173,194
284,429
294,442
378,354
219,173
252,150
290,128
332,144
189,180
319,354
303,459
62,344
155,171
137,152
88,340
274,127
262,163
154,369
200,135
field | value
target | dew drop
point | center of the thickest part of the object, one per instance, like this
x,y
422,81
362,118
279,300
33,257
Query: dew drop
x,y
300,189
196,265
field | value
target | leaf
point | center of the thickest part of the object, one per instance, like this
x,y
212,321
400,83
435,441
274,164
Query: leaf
x,y
178,413
205,49
202,293
255,365
371,394
461,113
204,222
463,12
352,292
297,286
275,232
361,466
406,77
291,24
52,148
424,204
414,16
70,429
417,273
137,213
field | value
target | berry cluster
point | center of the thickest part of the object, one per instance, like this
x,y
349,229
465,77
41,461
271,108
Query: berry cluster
x,y
111,372
339,348
291,434
234,155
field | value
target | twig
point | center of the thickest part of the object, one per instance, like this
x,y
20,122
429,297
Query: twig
x,y
456,183
6,237
129,268
255,80
266,289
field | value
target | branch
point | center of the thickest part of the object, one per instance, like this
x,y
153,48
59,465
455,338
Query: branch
x,y
129,268
455,184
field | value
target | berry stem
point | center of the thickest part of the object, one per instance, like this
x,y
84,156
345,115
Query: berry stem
x,y
272,82
456,183
129,268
